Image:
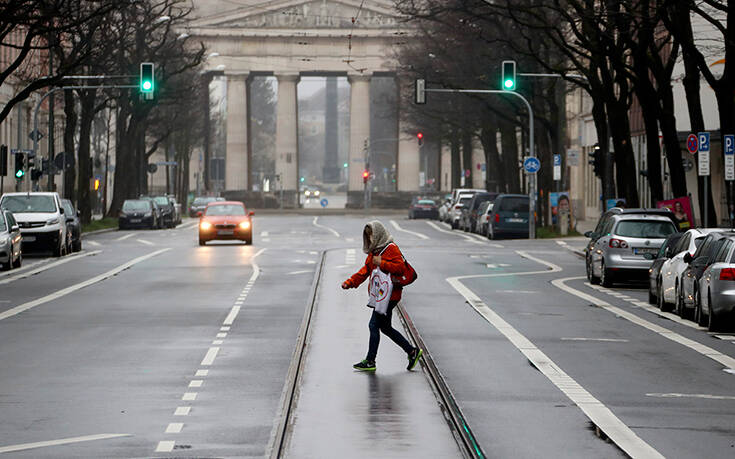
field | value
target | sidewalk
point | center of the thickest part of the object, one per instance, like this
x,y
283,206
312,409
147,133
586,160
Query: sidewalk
x,y
341,412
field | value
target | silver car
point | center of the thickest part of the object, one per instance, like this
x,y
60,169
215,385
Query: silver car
x,y
624,240
10,242
715,304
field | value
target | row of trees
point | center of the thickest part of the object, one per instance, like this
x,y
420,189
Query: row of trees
x,y
620,52
110,38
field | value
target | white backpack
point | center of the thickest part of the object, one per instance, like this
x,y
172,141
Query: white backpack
x,y
379,290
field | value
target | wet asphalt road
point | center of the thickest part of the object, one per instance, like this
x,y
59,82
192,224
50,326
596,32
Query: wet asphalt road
x,y
183,351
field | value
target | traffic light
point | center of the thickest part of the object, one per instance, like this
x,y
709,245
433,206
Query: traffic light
x,y
96,184
3,160
19,166
365,176
147,78
31,163
509,75
596,160
36,174
420,138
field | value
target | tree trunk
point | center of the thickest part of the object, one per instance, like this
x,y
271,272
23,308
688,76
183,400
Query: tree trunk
x,y
653,150
467,157
70,130
88,98
456,166
599,114
509,142
625,167
495,179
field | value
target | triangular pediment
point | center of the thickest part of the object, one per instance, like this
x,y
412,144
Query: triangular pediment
x,y
315,14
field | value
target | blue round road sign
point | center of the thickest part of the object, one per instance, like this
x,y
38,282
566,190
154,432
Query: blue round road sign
x,y
692,143
324,202
531,164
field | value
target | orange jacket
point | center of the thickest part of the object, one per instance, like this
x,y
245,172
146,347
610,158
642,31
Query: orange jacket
x,y
391,262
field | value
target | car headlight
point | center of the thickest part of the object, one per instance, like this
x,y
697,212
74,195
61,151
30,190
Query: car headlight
x,y
4,242
205,226
245,225
307,192
52,221
316,193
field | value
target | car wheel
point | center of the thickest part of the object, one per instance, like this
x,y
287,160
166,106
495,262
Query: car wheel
x,y
249,241
202,242
605,275
594,280
663,306
19,261
651,296
490,232
6,266
77,246
713,322
681,309
58,250
699,316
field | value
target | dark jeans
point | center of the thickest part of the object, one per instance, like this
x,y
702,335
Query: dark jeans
x,y
382,323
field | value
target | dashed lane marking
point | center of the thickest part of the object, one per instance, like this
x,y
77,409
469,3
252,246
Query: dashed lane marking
x,y
93,243
122,238
265,239
48,266
143,241
61,441
165,446
413,233
189,396
196,383
202,373
316,219
264,234
182,411
63,292
708,396
210,356
604,340
175,427
595,410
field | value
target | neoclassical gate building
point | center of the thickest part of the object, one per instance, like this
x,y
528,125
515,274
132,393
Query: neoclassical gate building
x,y
289,39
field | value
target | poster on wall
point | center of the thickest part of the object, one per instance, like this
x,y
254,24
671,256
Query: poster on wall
x,y
617,202
559,202
682,209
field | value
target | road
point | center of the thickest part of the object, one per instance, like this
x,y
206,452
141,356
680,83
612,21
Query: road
x,y
147,345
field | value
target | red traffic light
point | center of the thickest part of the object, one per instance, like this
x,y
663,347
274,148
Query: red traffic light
x,y
420,135
365,176
420,138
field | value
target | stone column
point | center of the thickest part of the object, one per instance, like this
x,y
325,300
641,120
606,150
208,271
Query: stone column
x,y
236,155
287,139
408,159
359,128
446,168
478,157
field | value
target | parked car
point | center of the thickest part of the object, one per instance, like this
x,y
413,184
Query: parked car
x,y
619,254
168,211
423,208
697,263
444,208
177,209
509,217
664,253
460,191
715,303
157,211
456,210
11,254
138,213
226,220
40,217
199,204
73,224
670,275
483,217
470,219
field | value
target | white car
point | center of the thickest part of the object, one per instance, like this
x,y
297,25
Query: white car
x,y
40,216
672,269
456,210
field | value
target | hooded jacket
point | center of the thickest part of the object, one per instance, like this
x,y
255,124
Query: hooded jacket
x,y
391,260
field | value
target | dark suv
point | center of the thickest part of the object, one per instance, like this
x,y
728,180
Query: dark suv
x,y
509,217
469,218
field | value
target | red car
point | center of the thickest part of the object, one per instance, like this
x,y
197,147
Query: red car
x,y
227,221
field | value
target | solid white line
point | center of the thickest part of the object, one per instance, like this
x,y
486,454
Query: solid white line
x,y
189,396
595,410
708,396
209,357
461,234
231,316
175,427
604,340
93,243
419,235
49,266
62,441
196,383
75,287
325,227
26,266
165,446
122,238
182,411
143,241
202,373
706,351
298,272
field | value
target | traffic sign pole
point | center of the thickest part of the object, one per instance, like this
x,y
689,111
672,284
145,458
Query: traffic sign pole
x,y
704,169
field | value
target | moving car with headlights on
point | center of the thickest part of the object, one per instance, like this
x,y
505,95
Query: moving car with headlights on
x,y
226,221
137,213
11,255
40,217
423,208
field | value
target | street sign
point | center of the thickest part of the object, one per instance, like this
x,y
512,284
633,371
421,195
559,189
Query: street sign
x,y
557,167
420,95
64,160
573,157
483,167
692,145
35,135
531,164
152,168
703,156
324,202
729,147
467,172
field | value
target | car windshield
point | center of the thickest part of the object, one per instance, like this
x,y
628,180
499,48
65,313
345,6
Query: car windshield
x,y
427,202
645,229
161,200
68,208
202,201
29,204
514,205
136,206
225,209
464,201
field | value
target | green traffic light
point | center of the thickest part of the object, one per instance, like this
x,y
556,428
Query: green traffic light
x,y
147,85
19,173
302,179
344,165
508,84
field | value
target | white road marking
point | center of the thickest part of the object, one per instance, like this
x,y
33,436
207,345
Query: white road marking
x,y
221,335
325,227
725,337
165,446
31,304
299,272
189,396
706,351
708,396
143,241
461,234
595,410
265,239
561,242
26,266
196,383
209,357
604,340
61,441
175,427
202,373
313,253
231,316
93,243
48,266
264,234
350,239
414,233
122,238
517,291
225,328
217,342
182,411
490,265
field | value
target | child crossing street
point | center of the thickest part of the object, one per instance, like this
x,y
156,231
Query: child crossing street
x,y
388,271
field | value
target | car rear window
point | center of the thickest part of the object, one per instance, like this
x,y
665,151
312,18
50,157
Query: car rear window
x,y
136,206
225,209
465,200
161,200
644,228
513,205
29,203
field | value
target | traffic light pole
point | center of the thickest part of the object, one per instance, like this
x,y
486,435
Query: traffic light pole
x,y
531,151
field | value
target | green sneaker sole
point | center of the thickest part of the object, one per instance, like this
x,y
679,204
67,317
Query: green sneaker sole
x,y
364,369
416,360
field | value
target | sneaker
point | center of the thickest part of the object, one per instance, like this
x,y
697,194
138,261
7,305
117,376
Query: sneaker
x,y
413,358
364,365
